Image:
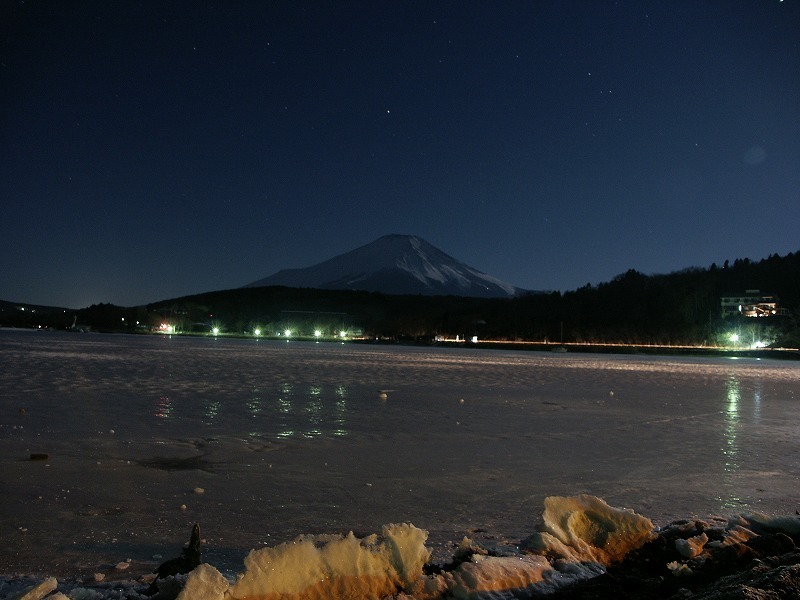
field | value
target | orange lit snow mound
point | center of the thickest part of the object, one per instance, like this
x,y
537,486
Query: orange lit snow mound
x,y
579,535
335,566
586,529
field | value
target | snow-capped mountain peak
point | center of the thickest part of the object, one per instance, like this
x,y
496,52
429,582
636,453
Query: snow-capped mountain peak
x,y
394,264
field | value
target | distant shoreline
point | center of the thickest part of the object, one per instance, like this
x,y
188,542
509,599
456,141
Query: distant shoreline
x,y
627,349
518,345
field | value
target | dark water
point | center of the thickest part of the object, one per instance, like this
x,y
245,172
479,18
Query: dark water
x,y
261,441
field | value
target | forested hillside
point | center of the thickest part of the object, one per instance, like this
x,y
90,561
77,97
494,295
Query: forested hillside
x,y
680,307
676,308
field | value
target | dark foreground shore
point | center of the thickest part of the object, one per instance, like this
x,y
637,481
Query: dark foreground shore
x,y
746,559
763,567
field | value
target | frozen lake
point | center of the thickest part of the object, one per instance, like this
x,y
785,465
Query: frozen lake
x,y
289,438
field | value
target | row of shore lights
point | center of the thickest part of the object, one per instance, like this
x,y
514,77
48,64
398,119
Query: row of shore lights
x,y
256,332
288,333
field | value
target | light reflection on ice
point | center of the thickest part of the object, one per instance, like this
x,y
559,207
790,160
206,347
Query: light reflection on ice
x,y
730,449
731,424
163,408
757,385
254,405
339,419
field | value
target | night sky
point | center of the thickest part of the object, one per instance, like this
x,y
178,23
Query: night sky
x,y
150,150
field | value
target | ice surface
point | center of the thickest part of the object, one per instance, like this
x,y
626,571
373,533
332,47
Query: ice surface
x,y
293,438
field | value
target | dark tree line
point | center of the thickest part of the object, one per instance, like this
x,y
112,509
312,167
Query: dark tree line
x,y
676,308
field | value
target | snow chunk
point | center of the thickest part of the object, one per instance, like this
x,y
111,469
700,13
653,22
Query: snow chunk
x,y
679,569
496,573
336,566
489,577
585,529
38,591
691,547
204,583
735,534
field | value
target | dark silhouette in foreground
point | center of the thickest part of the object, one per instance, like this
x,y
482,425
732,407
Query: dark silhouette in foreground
x,y
190,558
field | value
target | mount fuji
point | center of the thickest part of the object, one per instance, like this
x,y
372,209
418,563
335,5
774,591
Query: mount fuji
x,y
395,264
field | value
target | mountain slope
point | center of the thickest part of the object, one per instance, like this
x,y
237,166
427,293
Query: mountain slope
x,y
394,264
